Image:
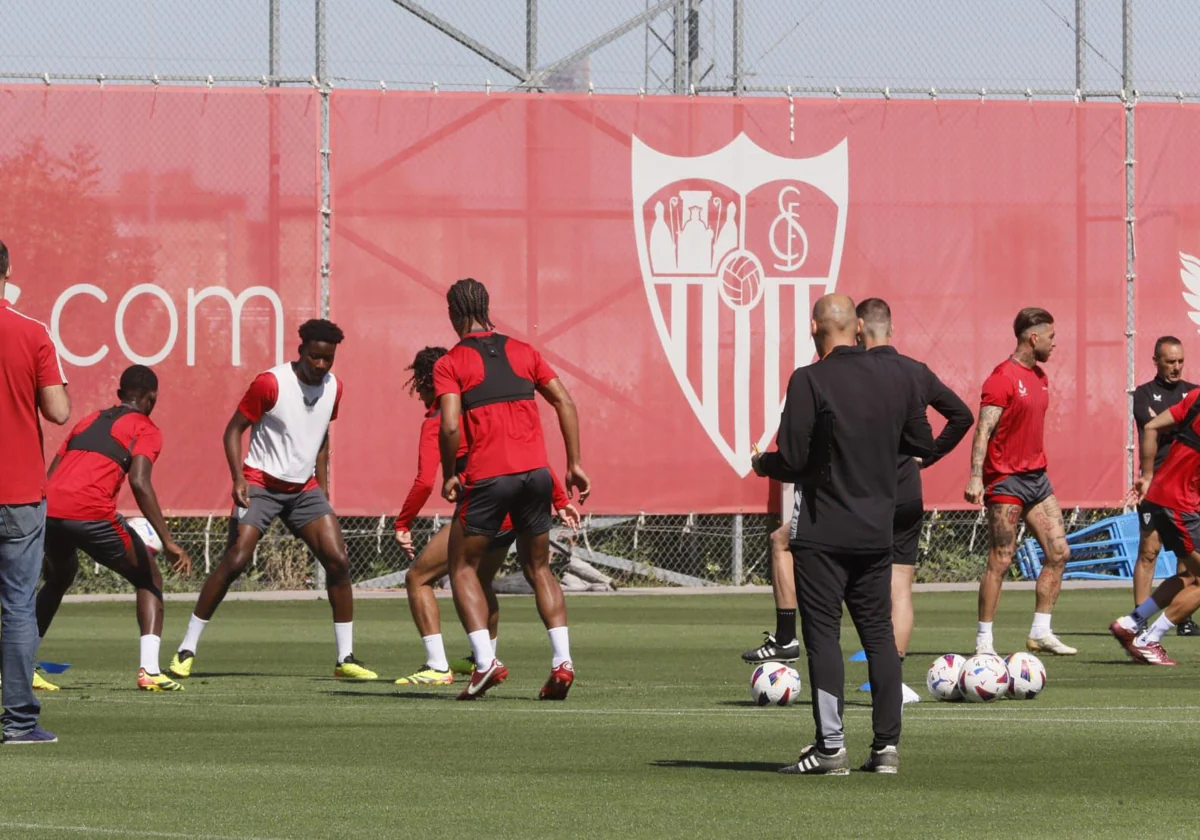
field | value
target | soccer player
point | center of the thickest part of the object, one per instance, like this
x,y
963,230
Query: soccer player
x,y
85,478
1150,399
487,382
285,475
1171,495
433,562
1008,475
875,333
782,645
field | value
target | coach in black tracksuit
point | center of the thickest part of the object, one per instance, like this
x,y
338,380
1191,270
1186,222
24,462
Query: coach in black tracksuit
x,y
1165,390
845,420
875,333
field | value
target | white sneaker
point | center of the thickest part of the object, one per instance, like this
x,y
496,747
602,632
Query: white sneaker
x,y
909,695
1049,644
984,647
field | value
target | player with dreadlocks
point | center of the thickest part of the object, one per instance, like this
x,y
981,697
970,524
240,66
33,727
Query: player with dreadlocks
x,y
487,384
433,562
285,475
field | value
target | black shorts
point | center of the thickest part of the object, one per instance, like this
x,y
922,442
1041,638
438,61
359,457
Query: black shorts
x,y
1024,489
525,496
906,532
1145,513
503,540
104,540
1179,530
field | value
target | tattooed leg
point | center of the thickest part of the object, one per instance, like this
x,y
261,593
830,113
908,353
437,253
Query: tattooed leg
x,y
1003,521
1045,520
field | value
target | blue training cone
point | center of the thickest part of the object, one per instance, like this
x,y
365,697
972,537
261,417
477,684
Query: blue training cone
x,y
54,667
865,687
861,656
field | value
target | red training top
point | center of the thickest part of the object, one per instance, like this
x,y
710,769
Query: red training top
x,y
85,485
1176,484
428,463
28,361
504,438
1017,445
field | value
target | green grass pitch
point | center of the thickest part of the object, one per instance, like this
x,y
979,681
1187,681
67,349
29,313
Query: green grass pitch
x,y
658,738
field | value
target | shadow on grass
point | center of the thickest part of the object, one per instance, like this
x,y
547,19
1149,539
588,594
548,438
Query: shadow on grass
x,y
750,704
744,766
393,695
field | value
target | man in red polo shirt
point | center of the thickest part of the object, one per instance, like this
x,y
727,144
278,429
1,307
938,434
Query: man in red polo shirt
x,y
86,477
1008,475
31,380
1170,494
489,380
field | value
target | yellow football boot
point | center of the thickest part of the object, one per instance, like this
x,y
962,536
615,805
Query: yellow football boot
x,y
351,669
428,676
156,682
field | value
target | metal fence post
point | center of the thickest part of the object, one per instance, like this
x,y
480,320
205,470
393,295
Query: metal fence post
x,y
531,37
273,44
1128,96
680,42
739,46
326,211
738,548
1080,46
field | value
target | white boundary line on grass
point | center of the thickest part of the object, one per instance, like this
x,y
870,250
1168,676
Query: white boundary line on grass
x,y
369,594
126,832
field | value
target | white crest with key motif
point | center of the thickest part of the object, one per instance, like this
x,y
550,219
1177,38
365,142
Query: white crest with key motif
x,y
733,245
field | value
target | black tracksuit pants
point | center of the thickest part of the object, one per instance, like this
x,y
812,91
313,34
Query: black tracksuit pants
x,y
824,579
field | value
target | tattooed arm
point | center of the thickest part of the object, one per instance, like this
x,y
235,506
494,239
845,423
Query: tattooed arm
x,y
989,416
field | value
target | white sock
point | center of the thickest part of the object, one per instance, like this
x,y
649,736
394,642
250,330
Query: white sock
x,y
149,646
191,639
1128,622
481,646
496,646
343,634
560,642
1161,626
435,652
983,634
1041,626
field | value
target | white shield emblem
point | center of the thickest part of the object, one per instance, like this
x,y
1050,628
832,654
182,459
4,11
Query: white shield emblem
x,y
733,247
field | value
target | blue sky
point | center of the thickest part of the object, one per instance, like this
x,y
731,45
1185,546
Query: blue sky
x,y
920,43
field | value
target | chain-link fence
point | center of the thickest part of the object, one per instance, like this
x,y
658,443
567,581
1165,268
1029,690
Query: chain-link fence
x,y
606,553
856,47
1086,49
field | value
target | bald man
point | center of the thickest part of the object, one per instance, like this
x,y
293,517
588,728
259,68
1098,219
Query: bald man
x,y
845,421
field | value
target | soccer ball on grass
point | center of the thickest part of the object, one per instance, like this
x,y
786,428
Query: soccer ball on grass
x,y
942,678
984,679
774,684
1026,676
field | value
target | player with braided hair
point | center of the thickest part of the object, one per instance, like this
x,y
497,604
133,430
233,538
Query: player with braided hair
x,y
433,562
487,383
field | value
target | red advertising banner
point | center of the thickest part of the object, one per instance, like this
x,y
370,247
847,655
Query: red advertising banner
x,y
663,255
1167,234
173,228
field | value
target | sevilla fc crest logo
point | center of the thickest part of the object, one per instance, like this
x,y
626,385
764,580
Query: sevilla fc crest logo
x,y
734,247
